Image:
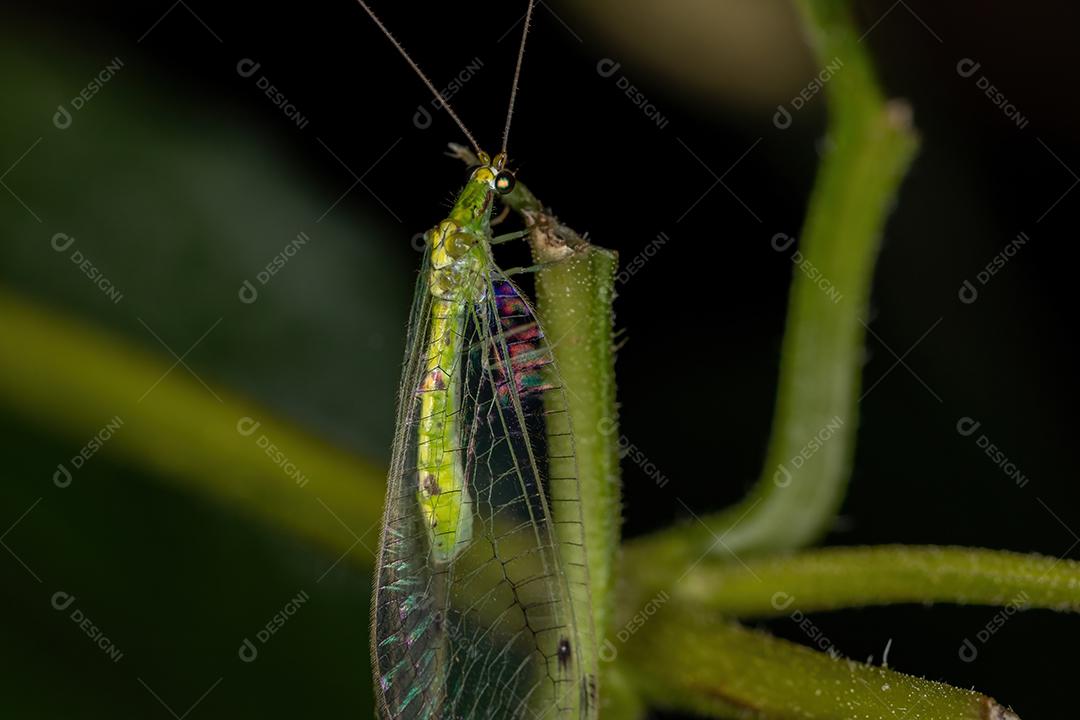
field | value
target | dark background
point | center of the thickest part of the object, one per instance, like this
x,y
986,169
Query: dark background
x,y
180,176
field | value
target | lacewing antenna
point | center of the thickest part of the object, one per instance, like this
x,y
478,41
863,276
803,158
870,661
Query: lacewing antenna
x,y
517,73
416,68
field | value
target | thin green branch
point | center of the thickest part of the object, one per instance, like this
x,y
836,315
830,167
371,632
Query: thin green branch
x,y
72,379
682,661
869,146
836,578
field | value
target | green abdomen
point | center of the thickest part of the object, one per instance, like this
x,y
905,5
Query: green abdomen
x,y
441,489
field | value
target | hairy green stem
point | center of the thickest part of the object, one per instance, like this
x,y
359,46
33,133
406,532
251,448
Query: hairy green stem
x,y
575,292
574,297
684,661
835,578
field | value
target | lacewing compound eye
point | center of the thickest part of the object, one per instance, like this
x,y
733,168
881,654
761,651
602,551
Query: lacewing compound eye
x,y
505,181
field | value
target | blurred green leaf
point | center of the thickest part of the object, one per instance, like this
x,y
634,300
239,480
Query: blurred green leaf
x,y
178,201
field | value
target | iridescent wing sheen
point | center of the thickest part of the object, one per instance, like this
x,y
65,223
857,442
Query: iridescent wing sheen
x,y
503,630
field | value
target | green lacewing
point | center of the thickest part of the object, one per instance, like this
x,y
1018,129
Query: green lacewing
x,y
481,598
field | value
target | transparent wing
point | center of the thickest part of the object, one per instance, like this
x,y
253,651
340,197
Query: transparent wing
x,y
502,630
403,606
